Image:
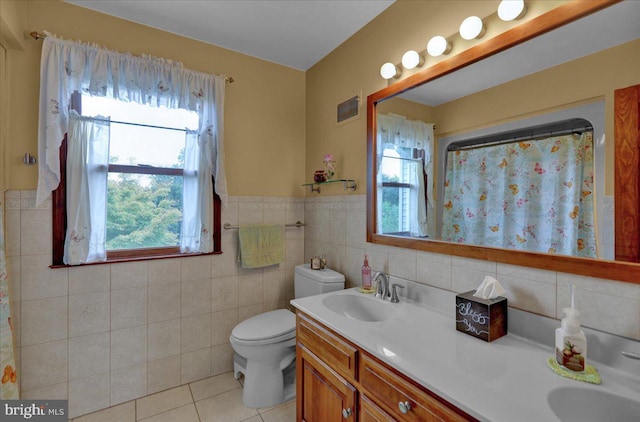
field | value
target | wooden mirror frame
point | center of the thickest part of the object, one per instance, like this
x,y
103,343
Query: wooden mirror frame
x,y
627,173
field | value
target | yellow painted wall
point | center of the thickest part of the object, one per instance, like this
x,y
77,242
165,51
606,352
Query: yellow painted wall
x,y
280,122
355,65
409,109
13,15
264,107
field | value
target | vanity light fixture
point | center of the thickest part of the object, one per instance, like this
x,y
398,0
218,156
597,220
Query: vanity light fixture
x,y
412,59
509,10
389,70
438,46
471,28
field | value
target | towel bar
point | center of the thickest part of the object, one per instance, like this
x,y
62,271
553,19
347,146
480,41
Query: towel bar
x,y
228,226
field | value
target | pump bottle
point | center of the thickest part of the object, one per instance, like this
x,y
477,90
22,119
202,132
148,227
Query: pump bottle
x,y
571,343
366,274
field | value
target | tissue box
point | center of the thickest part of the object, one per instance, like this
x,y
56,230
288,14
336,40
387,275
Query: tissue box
x,y
485,319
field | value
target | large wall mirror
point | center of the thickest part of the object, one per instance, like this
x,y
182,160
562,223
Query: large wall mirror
x,y
522,122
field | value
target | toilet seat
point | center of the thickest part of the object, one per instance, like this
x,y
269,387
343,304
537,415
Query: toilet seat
x,y
267,328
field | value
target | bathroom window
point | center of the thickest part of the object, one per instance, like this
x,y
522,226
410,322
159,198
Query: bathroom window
x,y
146,174
403,191
405,165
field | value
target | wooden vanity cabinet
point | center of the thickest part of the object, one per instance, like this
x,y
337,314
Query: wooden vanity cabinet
x,y
337,381
325,365
323,395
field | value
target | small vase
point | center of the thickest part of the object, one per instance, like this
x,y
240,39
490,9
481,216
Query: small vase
x,y
319,176
330,169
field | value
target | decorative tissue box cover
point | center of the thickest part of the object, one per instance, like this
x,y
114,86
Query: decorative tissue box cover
x,y
485,319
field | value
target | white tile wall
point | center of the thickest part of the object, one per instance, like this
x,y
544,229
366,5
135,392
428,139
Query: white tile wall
x,y
607,305
104,334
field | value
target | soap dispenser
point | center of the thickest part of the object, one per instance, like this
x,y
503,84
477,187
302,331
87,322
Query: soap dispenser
x,y
366,274
571,343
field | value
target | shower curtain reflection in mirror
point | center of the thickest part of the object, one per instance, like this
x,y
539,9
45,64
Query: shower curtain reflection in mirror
x,y
404,175
535,195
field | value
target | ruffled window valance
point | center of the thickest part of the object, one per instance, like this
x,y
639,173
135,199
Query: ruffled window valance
x,y
398,130
68,66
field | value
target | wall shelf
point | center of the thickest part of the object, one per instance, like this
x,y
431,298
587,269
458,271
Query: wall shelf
x,y
346,184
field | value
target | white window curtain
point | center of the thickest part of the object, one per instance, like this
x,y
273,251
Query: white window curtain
x,y
68,66
197,214
418,222
395,130
87,171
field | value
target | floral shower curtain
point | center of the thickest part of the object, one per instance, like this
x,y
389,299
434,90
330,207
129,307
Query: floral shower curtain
x,y
535,196
9,386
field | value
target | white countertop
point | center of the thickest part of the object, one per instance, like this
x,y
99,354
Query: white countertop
x,y
506,380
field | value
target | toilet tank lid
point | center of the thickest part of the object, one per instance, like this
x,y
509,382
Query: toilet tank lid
x,y
324,276
265,326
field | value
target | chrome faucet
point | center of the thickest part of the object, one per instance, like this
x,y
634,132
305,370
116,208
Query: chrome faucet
x,y
382,285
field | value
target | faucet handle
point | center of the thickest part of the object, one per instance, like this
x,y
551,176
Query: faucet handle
x,y
394,293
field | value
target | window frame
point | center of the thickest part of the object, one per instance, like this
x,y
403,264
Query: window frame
x,y
59,213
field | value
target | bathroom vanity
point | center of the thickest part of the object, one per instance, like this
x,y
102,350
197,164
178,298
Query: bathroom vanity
x,y
332,372
363,359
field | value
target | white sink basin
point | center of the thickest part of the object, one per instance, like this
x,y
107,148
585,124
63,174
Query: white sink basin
x,y
584,405
360,307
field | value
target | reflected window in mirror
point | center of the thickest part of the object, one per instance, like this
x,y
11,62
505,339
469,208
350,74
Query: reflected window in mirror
x,y
405,169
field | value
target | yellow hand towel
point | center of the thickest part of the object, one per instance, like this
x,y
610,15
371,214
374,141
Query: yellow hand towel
x,y
260,245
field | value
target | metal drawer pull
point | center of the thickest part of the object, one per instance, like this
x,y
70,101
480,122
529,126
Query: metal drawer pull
x,y
404,407
346,413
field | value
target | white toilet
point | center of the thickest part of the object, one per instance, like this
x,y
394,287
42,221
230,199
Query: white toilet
x,y
265,345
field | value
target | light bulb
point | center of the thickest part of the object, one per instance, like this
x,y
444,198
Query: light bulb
x,y
471,28
438,46
411,59
388,70
509,10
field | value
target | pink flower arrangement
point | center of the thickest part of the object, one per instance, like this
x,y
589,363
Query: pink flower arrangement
x,y
330,166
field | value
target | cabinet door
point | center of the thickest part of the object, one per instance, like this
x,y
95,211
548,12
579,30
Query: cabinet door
x,y
322,394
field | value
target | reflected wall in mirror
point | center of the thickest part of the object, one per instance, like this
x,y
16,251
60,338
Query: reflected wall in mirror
x,y
568,73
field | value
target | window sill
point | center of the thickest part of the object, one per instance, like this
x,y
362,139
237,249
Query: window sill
x,y
137,258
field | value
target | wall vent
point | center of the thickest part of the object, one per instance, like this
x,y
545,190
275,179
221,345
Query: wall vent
x,y
349,109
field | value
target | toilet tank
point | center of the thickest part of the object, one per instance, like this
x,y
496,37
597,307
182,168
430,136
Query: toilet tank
x,y
308,282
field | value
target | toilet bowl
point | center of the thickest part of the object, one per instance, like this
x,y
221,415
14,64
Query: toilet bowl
x,y
265,345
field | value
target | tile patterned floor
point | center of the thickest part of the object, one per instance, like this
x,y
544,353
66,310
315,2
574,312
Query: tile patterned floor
x,y
213,399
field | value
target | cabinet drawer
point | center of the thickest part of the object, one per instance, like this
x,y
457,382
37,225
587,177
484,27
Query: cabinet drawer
x,y
337,353
369,412
389,389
